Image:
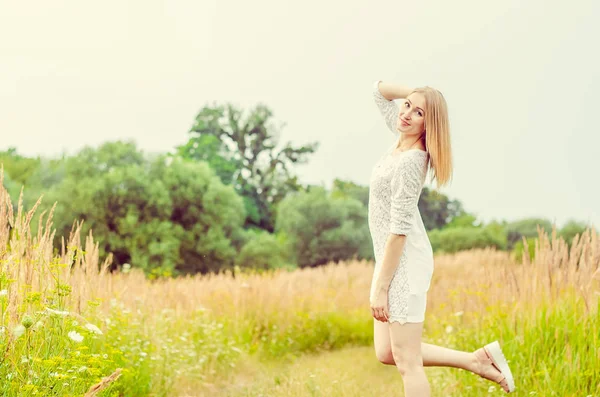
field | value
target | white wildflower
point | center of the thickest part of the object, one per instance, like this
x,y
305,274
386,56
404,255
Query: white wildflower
x,y
492,389
19,330
4,292
57,312
458,314
449,329
93,328
76,336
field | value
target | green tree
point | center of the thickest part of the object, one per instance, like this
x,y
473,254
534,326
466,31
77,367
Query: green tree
x,y
343,188
35,174
210,149
262,173
263,251
464,220
573,228
20,168
165,215
321,229
12,188
91,162
210,213
437,210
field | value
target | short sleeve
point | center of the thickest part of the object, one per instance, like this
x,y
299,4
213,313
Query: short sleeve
x,y
406,185
388,109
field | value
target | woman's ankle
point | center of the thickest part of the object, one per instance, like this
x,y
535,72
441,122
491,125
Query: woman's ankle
x,y
474,364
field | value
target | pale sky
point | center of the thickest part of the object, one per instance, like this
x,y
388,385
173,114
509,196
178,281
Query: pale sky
x,y
521,78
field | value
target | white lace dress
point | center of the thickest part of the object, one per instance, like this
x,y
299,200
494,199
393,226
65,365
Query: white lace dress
x,y
394,189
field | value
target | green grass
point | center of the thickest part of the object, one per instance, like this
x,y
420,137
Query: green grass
x,y
554,351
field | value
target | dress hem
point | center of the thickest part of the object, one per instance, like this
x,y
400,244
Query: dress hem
x,y
404,320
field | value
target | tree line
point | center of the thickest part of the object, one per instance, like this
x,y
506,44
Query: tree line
x,y
229,198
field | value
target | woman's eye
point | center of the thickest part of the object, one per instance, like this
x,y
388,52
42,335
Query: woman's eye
x,y
420,114
406,104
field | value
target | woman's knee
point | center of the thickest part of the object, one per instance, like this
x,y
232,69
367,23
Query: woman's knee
x,y
407,362
406,346
383,349
385,356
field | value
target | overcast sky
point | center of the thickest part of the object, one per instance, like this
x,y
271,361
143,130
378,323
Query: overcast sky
x,y
521,78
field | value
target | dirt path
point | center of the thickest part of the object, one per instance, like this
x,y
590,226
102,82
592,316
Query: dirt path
x,y
349,372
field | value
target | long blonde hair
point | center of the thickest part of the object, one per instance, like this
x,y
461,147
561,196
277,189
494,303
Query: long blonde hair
x,y
437,135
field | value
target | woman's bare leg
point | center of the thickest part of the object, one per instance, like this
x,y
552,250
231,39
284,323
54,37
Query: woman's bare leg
x,y
433,356
437,356
406,351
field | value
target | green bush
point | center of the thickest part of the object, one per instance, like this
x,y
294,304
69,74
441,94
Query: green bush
x,y
464,238
322,228
263,251
527,227
519,248
571,229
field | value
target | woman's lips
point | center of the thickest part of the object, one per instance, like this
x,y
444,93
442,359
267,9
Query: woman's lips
x,y
404,123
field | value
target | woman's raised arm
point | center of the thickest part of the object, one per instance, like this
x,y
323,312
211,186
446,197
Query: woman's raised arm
x,y
391,91
384,95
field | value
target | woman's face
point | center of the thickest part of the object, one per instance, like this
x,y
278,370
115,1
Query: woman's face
x,y
411,118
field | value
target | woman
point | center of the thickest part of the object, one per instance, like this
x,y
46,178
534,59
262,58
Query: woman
x,y
403,254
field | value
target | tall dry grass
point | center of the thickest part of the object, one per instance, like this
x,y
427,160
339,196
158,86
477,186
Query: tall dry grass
x,y
494,276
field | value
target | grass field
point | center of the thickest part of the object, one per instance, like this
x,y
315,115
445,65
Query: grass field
x,y
66,326
351,371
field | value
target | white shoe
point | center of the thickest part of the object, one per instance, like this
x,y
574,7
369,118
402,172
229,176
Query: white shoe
x,y
494,352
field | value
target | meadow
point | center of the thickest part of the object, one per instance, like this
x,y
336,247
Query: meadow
x,y
71,328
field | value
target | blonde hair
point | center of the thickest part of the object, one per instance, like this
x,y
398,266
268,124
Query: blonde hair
x,y
437,135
